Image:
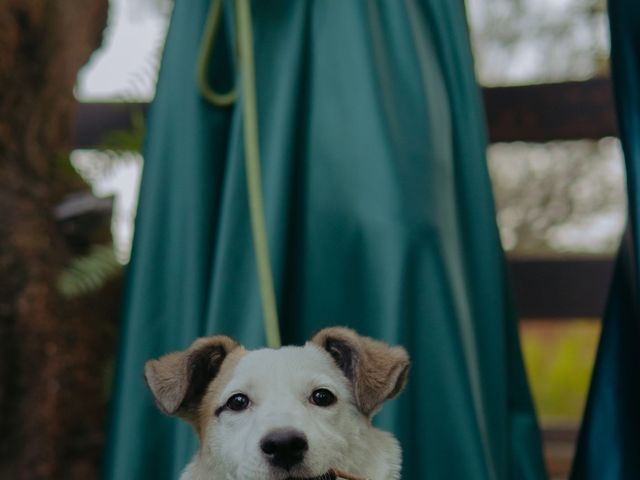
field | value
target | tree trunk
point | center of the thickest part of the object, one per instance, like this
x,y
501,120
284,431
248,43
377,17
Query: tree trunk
x,y
51,404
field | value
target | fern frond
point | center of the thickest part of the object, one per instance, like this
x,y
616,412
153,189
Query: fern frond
x,y
125,140
89,273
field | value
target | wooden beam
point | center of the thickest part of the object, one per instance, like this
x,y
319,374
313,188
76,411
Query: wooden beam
x,y
556,111
530,113
562,288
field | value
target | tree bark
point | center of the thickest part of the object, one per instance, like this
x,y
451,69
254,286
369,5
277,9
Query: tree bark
x,y
51,405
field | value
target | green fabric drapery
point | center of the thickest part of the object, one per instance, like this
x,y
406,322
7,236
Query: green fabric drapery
x,y
609,443
378,212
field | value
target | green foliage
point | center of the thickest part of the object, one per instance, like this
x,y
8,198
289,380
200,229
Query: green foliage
x,y
559,357
90,272
533,41
559,197
131,140
115,148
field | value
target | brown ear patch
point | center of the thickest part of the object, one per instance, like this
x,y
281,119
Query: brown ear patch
x,y
377,371
343,354
179,380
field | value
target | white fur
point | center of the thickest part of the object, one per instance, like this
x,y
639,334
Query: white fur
x,y
279,384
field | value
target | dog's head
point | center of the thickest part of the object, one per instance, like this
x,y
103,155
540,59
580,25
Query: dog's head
x,y
295,412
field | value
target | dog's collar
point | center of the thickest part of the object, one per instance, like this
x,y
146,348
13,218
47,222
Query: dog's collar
x,y
330,475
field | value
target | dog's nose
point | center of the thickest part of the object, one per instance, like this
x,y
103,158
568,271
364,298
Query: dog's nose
x,y
284,448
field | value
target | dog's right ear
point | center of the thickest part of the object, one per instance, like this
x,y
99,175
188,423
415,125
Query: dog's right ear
x,y
376,371
179,380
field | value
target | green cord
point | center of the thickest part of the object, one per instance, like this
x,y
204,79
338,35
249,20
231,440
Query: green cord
x,y
206,49
251,146
252,165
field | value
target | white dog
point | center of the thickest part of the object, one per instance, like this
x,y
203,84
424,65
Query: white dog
x,y
297,413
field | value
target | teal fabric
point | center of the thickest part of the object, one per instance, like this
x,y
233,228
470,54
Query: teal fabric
x,y
379,215
609,443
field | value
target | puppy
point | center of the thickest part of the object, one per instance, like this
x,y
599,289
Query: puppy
x,y
296,413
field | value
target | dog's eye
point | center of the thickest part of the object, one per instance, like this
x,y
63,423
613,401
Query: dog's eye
x,y
323,397
238,402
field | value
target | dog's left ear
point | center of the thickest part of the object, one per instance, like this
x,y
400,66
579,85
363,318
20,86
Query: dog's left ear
x,y
377,371
178,380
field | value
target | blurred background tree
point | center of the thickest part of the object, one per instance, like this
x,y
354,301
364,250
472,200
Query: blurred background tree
x,y
534,41
51,390
559,198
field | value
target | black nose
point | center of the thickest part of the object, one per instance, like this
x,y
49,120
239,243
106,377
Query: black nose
x,y
284,448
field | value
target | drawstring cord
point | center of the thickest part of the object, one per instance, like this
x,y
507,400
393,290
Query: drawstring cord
x,y
251,145
209,36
